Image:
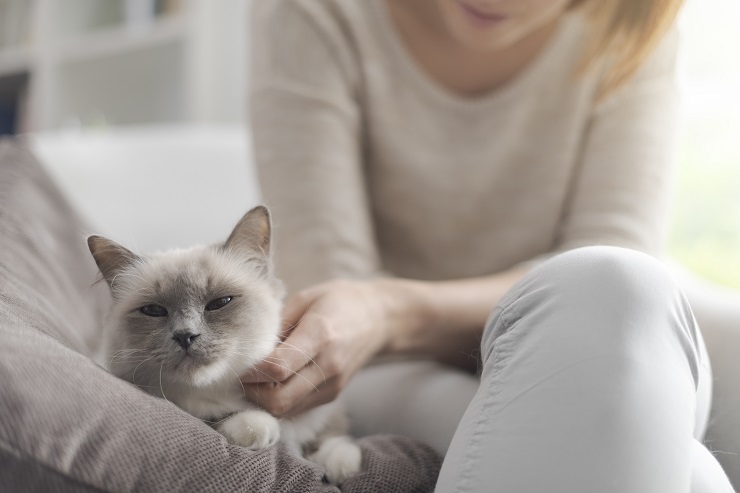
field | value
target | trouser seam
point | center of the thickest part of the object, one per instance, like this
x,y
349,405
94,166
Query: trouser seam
x,y
498,353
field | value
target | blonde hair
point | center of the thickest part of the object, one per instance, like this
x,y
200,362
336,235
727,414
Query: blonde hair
x,y
626,31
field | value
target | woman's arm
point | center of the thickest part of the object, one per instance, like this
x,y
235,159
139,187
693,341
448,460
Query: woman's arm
x,y
338,326
444,320
306,123
621,191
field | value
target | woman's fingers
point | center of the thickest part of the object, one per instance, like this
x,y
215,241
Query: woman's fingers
x,y
284,362
293,311
337,327
286,358
307,388
295,352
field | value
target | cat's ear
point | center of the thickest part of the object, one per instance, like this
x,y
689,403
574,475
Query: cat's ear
x,y
111,257
252,232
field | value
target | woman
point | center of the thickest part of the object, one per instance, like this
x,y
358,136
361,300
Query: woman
x,y
426,161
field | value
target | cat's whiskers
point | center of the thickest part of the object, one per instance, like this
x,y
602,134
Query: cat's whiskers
x,y
125,274
233,352
127,350
274,380
123,359
161,389
133,375
124,355
277,362
130,274
267,360
287,330
291,347
244,392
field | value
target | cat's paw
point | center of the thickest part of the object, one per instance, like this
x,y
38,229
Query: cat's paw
x,y
253,429
340,456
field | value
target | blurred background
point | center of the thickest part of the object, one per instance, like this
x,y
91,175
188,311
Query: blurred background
x,y
93,63
705,233
87,65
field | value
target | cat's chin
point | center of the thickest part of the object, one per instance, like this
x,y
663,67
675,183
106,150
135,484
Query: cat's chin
x,y
197,373
210,374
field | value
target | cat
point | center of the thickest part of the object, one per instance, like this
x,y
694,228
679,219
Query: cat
x,y
186,323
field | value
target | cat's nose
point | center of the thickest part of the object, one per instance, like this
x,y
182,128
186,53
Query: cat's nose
x,y
185,338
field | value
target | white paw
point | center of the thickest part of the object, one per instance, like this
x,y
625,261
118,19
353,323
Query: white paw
x,y
340,456
252,429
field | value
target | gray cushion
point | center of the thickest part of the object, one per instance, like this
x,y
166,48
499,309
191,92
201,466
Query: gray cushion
x,y
68,425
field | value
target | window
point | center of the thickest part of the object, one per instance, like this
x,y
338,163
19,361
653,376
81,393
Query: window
x,y
705,236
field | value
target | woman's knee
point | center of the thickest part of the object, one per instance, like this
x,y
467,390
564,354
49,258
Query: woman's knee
x,y
608,276
595,296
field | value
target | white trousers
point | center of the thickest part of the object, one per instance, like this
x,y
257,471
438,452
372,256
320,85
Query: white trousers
x,y
594,378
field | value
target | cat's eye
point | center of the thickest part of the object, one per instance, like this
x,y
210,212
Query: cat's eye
x,y
218,303
153,311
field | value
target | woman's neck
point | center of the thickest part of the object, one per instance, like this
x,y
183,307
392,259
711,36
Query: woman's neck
x,y
459,68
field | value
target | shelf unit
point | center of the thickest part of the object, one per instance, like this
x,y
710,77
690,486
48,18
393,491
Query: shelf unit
x,y
118,62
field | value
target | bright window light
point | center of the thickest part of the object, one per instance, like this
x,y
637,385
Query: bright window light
x,y
705,236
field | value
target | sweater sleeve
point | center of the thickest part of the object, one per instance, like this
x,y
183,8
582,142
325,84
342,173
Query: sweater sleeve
x,y
307,134
622,186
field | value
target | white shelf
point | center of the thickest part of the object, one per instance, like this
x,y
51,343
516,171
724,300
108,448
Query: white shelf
x,y
120,40
14,61
94,61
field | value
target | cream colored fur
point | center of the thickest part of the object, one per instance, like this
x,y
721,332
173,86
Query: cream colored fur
x,y
192,354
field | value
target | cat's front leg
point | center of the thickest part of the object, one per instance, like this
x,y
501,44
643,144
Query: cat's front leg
x,y
341,457
253,428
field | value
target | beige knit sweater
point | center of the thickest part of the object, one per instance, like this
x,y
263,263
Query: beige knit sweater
x,y
370,167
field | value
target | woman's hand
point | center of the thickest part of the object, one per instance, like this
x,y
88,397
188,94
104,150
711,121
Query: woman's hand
x,y
334,329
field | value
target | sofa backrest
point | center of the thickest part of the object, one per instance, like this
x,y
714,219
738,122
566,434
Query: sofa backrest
x,y
158,186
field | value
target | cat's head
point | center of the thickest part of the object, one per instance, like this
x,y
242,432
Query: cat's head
x,y
196,316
